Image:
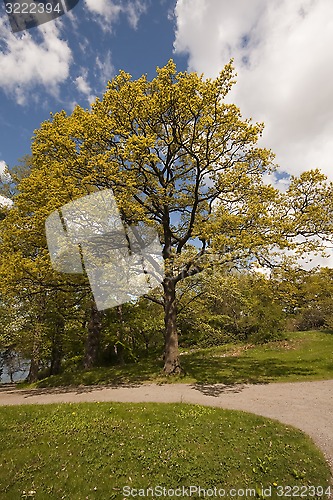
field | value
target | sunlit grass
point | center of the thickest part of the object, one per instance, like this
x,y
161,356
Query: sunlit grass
x,y
93,450
303,356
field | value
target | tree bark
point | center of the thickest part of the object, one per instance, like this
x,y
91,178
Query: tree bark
x,y
120,340
171,351
34,362
33,371
57,346
93,338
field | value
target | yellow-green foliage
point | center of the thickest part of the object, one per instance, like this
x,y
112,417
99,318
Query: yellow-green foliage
x,y
178,157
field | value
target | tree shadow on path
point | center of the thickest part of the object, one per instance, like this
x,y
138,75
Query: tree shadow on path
x,y
216,390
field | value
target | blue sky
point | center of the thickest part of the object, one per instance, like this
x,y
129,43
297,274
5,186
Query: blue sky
x,y
282,53
92,48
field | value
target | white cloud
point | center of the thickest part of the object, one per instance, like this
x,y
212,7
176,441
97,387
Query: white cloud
x,y
134,11
4,175
312,261
280,183
104,8
82,85
5,202
107,12
27,63
105,68
284,60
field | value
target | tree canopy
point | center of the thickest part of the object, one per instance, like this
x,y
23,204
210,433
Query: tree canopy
x,y
178,158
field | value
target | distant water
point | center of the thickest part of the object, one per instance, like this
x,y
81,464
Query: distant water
x,y
18,376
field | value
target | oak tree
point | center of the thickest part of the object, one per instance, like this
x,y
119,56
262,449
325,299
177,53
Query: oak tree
x,y
181,159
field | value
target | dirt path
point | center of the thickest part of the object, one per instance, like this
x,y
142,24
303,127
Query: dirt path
x,y
306,405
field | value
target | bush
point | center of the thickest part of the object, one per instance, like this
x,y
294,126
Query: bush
x,y
211,337
72,364
265,336
312,318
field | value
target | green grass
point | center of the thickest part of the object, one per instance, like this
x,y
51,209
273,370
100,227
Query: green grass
x,y
304,356
93,450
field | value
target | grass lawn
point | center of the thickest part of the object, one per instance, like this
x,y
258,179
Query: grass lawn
x,y
94,450
303,356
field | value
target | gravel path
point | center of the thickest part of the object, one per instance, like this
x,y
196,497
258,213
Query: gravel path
x,y
306,405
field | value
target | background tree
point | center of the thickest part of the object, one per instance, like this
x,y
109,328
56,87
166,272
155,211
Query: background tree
x,y
307,297
40,297
230,306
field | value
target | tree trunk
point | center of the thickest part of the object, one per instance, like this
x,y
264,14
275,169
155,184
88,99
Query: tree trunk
x,y
93,338
171,351
35,355
33,371
34,364
120,340
57,347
